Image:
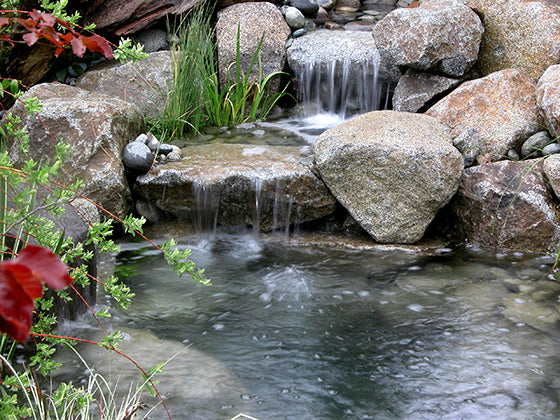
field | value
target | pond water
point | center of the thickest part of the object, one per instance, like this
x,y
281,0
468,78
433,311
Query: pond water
x,y
291,330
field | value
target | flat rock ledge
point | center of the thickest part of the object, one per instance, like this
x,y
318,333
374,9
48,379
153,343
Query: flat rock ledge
x,y
235,184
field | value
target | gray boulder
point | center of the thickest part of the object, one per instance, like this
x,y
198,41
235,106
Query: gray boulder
x,y
502,107
439,35
253,20
507,205
391,170
144,83
97,127
234,184
519,34
416,90
548,98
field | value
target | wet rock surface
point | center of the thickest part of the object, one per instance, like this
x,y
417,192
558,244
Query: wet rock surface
x,y
265,186
507,205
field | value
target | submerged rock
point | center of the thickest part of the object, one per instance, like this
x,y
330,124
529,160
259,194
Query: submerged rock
x,y
268,186
391,170
507,205
502,107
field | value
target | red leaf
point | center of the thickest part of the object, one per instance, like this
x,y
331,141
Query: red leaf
x,y
28,281
7,39
99,44
44,265
5,21
51,35
16,307
48,18
78,47
58,51
30,38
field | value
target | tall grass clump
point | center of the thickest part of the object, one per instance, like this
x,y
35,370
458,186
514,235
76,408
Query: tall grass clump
x,y
197,99
192,55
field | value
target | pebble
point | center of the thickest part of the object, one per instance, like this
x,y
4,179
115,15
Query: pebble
x,y
299,32
551,149
137,157
534,144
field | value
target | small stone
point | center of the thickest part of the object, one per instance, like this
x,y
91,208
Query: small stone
x,y
173,157
142,138
306,7
299,32
332,25
551,149
165,149
137,157
512,154
152,142
468,144
533,146
321,17
294,17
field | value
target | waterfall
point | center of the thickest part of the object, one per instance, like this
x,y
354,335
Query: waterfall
x,y
339,89
207,202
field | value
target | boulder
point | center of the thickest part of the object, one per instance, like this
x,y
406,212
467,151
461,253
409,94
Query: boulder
x,y
502,107
416,90
439,36
507,205
518,34
548,98
144,83
253,20
236,184
391,170
551,171
96,126
124,17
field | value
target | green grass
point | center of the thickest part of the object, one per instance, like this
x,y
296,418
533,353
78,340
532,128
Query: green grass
x,y
197,100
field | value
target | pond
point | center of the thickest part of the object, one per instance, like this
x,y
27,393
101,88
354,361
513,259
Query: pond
x,y
296,329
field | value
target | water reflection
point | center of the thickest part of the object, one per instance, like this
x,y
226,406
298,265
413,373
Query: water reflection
x,y
313,333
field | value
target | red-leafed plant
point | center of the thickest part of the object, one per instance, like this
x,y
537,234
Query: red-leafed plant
x,y
21,282
37,25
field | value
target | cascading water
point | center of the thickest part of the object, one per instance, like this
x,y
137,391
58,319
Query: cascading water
x,y
339,89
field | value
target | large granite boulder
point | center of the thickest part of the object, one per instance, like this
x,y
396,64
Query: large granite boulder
x,y
253,21
502,107
267,187
391,170
518,34
551,171
507,205
96,126
439,36
144,83
548,98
